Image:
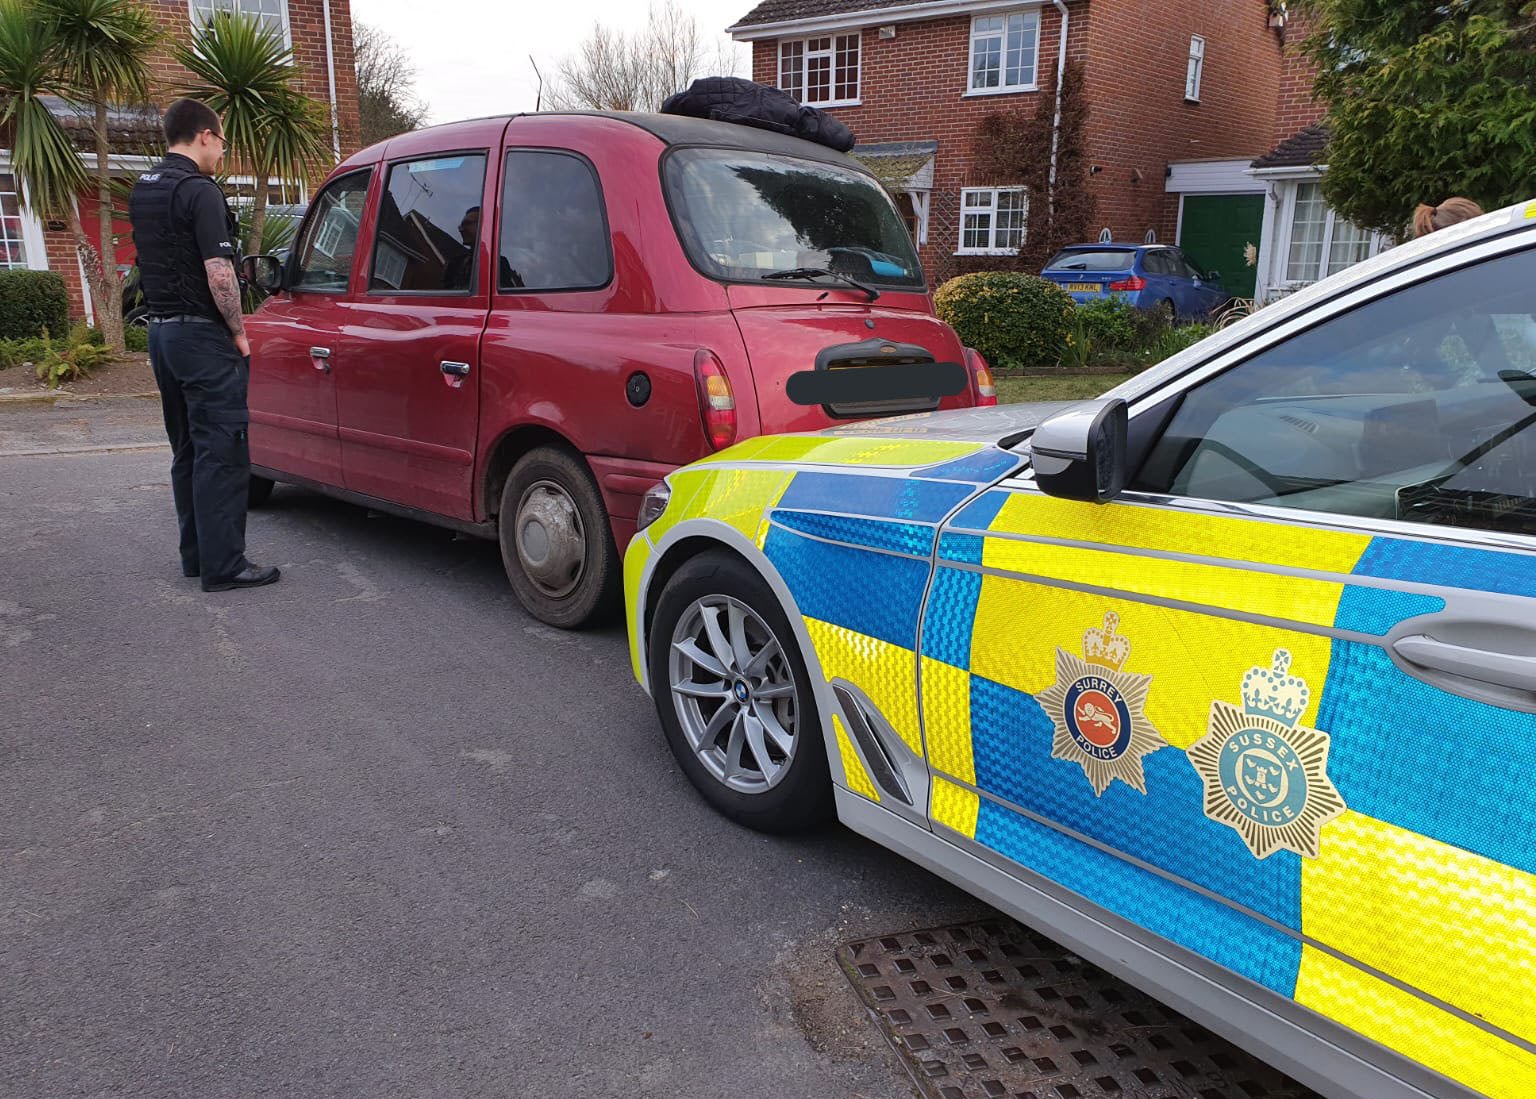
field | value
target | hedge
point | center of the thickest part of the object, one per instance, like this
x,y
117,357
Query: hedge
x,y
1017,321
31,301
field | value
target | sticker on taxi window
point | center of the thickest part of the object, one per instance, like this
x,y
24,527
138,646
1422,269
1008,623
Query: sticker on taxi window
x,y
1266,775
1097,707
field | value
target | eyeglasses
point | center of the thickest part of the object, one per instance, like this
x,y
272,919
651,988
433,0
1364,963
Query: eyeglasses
x,y
220,138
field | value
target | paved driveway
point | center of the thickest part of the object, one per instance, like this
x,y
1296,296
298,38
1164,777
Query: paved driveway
x,y
374,832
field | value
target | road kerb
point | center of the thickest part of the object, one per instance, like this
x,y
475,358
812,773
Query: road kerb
x,y
106,448
23,399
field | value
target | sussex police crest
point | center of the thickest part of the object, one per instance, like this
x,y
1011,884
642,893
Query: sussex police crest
x,y
1265,774
1097,710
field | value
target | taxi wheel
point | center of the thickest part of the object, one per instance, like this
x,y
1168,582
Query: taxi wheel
x,y
734,698
259,492
556,544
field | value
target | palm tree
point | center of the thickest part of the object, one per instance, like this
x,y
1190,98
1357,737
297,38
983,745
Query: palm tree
x,y
243,71
42,155
102,49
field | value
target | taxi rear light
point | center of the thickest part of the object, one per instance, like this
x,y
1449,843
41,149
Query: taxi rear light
x,y
717,403
1135,282
981,377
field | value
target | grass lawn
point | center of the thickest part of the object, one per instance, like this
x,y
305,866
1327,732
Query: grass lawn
x,y
1073,387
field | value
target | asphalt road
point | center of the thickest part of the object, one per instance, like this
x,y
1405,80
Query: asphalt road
x,y
374,832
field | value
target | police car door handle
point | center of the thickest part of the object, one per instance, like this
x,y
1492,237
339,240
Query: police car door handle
x,y
1481,665
455,370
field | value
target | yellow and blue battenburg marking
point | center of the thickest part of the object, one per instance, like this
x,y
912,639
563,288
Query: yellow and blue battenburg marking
x,y
1233,762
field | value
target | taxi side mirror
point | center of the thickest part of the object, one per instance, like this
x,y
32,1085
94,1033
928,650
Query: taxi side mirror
x,y
1080,454
265,273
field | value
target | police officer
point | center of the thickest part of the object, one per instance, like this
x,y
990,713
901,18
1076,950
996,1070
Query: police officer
x,y
185,236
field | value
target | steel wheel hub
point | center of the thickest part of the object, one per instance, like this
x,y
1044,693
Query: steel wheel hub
x,y
734,693
551,542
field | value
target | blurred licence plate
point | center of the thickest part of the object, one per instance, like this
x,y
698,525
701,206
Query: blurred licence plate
x,y
1084,287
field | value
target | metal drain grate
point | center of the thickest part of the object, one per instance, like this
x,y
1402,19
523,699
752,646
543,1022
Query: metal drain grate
x,y
994,1011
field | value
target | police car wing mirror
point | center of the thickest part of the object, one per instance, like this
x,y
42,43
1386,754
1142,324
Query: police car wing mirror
x,y
265,273
1080,454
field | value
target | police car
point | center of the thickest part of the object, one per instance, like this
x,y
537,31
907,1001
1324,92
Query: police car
x,y
1227,680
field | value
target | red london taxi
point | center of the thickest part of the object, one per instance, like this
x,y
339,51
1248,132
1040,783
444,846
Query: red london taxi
x,y
515,326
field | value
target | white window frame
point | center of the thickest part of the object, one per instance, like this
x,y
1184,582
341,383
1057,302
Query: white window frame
x,y
806,54
1286,284
32,240
196,9
1003,88
991,247
1196,69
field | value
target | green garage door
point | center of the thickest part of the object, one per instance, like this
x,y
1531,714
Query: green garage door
x,y
1215,233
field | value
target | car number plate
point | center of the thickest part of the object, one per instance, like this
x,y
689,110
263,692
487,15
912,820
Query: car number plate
x,y
1084,287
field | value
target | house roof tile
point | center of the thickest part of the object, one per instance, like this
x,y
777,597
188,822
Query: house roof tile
x,y
1301,150
783,11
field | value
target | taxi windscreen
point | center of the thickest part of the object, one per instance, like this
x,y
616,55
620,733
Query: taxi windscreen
x,y
748,217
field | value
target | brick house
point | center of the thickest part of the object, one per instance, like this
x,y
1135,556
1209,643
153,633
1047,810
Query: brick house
x,y
1180,98
1302,239
320,33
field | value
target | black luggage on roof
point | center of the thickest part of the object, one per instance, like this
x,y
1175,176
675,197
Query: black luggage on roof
x,y
732,99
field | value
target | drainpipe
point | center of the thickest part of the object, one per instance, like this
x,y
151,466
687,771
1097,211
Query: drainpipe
x,y
1061,70
330,71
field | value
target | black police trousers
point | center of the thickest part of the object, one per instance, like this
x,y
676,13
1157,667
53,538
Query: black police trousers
x,y
202,380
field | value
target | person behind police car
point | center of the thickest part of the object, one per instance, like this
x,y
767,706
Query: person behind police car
x,y
185,236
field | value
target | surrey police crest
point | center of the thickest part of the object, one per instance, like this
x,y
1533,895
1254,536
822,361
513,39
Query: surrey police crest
x,y
1097,710
1266,775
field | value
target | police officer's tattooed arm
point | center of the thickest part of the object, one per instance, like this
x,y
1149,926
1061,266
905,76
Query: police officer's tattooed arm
x,y
225,288
215,243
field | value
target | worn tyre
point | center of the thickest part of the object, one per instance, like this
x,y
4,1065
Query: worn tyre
x,y
260,491
556,543
734,698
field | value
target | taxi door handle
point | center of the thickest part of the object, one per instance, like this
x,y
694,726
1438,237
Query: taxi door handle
x,y
320,358
1482,665
455,370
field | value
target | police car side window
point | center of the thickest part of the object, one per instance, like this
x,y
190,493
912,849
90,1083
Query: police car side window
x,y
1418,406
330,236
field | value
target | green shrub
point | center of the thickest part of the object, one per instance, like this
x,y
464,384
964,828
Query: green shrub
x,y
21,352
31,303
84,333
1174,340
1110,324
1016,321
136,336
81,353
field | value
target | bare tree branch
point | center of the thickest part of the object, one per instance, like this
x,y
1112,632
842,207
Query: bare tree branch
x,y
386,86
615,71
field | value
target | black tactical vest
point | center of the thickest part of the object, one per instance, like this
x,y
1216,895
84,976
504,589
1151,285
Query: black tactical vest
x,y
171,269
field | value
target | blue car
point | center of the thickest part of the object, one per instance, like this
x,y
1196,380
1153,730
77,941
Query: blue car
x,y
1149,276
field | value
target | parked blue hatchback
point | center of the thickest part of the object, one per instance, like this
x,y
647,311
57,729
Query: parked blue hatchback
x,y
1149,276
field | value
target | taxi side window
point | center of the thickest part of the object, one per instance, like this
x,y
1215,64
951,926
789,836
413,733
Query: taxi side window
x,y
429,226
330,236
554,227
1418,406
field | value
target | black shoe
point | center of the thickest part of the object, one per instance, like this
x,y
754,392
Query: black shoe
x,y
252,576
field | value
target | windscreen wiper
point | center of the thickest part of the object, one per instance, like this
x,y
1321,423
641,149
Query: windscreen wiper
x,y
823,273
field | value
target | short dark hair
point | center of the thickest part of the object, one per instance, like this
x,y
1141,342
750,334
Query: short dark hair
x,y
186,118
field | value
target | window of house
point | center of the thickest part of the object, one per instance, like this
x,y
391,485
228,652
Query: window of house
x,y
429,226
13,247
271,14
1417,406
329,241
1005,52
554,229
1322,243
823,72
1196,68
992,219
